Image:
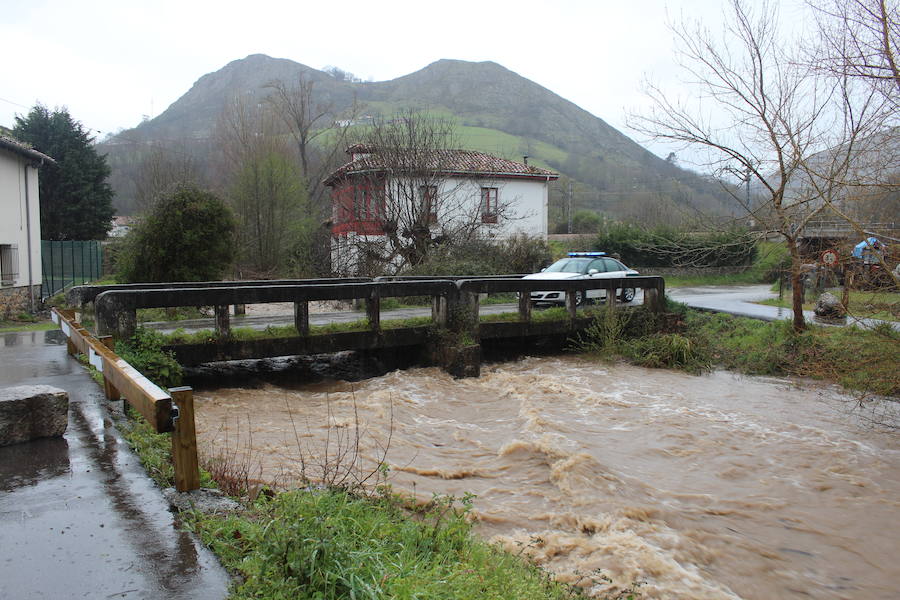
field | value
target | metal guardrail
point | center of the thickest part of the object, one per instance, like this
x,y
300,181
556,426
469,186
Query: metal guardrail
x,y
165,411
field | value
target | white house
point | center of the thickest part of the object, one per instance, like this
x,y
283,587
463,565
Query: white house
x,y
20,226
383,199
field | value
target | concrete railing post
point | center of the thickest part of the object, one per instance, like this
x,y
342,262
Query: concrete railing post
x,y
223,322
571,306
373,310
115,318
525,306
301,317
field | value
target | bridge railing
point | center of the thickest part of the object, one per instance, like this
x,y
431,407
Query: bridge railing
x,y
652,286
117,308
166,411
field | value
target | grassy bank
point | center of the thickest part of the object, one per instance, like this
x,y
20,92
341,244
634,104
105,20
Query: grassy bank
x,y
863,304
332,544
860,360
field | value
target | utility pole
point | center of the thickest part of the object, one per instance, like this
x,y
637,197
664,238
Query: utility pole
x,y
569,211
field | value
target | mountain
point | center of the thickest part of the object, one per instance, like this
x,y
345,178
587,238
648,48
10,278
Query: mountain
x,y
497,111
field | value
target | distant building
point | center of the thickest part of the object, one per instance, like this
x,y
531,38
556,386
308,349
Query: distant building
x,y
121,225
379,192
20,226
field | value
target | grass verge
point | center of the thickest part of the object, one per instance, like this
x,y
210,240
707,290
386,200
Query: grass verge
x,y
863,304
14,326
329,544
859,360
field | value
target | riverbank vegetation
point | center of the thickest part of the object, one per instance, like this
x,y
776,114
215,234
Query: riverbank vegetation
x,y
861,360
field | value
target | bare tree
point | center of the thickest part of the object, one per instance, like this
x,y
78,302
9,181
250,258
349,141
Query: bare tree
x,y
314,127
792,131
860,39
407,188
161,172
265,188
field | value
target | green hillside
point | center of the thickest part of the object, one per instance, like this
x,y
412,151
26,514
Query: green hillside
x,y
497,111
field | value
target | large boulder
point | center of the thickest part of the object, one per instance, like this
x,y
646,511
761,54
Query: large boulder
x,y
29,412
829,307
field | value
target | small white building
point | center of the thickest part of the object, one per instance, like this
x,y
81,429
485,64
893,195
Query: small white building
x,y
20,227
435,195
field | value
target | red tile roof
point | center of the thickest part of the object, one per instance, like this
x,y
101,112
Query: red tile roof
x,y
464,163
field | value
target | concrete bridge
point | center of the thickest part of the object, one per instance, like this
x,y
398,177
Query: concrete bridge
x,y
453,339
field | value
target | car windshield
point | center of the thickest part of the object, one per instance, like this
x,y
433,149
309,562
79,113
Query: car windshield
x,y
569,265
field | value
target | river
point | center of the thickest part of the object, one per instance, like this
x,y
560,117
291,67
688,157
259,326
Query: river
x,y
719,486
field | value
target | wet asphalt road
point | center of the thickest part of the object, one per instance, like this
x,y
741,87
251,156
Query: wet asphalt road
x,y
79,518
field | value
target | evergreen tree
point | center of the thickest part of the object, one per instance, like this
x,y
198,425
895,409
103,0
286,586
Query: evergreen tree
x,y
188,235
76,200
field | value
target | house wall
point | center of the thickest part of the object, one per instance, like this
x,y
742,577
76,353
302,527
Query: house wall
x,y
14,218
523,205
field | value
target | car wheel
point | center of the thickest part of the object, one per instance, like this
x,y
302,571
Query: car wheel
x,y
579,297
627,294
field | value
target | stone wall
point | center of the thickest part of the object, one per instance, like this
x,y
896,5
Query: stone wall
x,y
16,300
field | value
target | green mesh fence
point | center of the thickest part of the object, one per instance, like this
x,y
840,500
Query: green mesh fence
x,y
67,263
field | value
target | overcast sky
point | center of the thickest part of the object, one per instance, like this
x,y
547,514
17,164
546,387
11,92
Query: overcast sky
x,y
111,62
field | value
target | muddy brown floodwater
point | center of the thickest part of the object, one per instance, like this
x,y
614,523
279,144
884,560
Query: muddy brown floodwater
x,y
718,486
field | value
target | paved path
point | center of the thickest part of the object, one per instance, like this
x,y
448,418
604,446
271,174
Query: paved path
x,y
740,300
79,518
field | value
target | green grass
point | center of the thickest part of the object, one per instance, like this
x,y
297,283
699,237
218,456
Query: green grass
x,y
863,304
155,451
331,544
145,315
861,360
693,341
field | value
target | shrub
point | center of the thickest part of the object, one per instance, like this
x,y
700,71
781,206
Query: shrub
x,y
144,352
188,236
665,247
518,254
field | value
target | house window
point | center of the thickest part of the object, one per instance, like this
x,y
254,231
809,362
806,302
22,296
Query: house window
x,y
9,264
488,205
367,203
428,196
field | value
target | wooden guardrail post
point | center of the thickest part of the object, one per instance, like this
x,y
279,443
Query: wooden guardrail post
x,y
108,388
184,441
301,317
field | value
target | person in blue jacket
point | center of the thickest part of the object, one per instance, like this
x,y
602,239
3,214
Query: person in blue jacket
x,y
869,250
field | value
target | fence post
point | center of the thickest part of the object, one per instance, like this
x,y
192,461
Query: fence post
x,y
184,441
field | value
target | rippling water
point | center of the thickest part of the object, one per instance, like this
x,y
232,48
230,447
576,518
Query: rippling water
x,y
700,487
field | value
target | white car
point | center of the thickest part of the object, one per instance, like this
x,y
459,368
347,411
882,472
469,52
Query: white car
x,y
582,265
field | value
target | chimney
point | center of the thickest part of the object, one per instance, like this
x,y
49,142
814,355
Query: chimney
x,y
525,158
